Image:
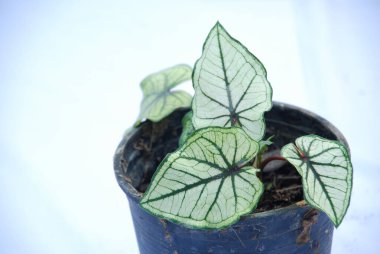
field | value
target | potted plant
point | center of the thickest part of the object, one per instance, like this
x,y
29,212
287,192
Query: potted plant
x,y
234,173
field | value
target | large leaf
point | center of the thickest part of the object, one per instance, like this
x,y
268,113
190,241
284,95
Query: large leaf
x,y
159,101
326,172
205,184
231,88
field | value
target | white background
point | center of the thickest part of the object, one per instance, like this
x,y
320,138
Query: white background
x,y
69,87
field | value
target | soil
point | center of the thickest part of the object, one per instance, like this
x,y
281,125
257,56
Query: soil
x,y
282,187
282,182
148,148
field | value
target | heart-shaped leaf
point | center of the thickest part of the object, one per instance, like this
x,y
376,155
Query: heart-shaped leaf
x,y
159,101
187,127
231,88
205,184
326,172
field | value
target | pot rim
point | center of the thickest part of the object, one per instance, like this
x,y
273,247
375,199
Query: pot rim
x,y
131,192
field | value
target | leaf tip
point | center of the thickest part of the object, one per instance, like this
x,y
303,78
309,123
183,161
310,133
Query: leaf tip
x,y
218,26
336,223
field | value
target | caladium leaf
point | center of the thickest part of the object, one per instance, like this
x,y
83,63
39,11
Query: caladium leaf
x,y
231,88
205,184
159,101
326,172
187,127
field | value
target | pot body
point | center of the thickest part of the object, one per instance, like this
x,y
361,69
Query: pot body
x,y
298,228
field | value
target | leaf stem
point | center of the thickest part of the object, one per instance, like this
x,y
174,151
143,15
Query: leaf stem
x,y
269,159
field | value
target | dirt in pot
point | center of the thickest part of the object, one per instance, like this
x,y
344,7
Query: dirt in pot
x,y
282,187
282,182
149,146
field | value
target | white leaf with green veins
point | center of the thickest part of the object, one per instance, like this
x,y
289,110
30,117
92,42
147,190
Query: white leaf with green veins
x,y
159,101
326,172
205,184
231,88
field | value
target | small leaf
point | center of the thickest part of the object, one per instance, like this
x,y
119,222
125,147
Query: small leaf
x,y
326,172
265,143
263,147
231,88
159,101
205,184
187,127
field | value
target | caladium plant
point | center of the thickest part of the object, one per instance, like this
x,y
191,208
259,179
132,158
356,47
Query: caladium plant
x,y
211,180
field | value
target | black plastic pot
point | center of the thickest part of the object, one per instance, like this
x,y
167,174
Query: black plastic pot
x,y
294,229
